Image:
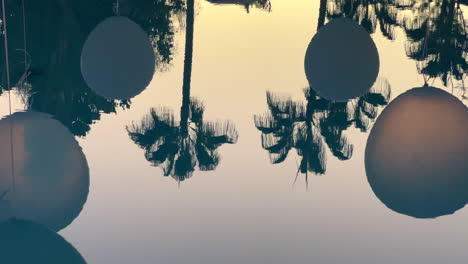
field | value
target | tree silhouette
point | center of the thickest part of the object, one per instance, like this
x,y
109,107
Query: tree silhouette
x,y
320,122
370,14
291,125
436,34
435,30
179,147
157,18
49,76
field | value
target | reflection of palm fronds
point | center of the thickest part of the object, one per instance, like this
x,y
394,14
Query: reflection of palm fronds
x,y
158,123
436,31
263,4
436,34
277,127
364,108
176,152
157,18
369,14
388,19
289,124
213,135
285,127
309,145
332,128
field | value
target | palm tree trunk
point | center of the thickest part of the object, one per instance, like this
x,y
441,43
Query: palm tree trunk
x,y
185,109
322,13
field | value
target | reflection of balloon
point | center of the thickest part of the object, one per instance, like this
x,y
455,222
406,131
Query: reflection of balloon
x,y
24,242
48,181
342,61
417,154
118,60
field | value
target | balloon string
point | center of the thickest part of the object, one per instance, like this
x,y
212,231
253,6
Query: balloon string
x,y
7,63
25,44
117,7
7,59
425,50
463,22
13,180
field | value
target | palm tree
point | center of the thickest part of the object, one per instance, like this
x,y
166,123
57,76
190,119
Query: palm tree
x,y
307,129
365,107
179,147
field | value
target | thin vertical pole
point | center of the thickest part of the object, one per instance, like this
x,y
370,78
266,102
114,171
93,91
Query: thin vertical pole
x,y
7,64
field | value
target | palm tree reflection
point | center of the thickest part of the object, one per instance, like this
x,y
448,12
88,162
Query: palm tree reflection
x,y
291,125
179,147
369,13
435,30
436,34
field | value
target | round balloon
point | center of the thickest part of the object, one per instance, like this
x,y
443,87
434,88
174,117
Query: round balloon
x,y
24,242
417,154
342,61
44,175
117,60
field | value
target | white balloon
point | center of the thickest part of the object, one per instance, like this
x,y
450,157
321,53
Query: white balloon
x,y
48,180
118,60
417,154
342,61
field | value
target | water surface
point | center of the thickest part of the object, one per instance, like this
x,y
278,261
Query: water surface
x,y
227,202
